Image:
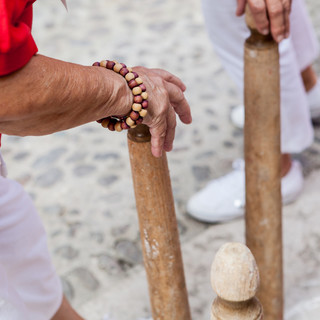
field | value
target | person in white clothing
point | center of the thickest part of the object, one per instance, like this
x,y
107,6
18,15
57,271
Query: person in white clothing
x,y
300,96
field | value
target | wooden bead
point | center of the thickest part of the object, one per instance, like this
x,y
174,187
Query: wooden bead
x,y
130,122
111,126
139,120
136,107
144,104
132,83
139,80
117,67
118,127
129,76
103,63
135,83
143,113
124,125
136,90
134,115
110,65
137,99
124,71
105,122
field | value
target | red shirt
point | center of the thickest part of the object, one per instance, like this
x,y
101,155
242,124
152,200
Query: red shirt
x,y
16,43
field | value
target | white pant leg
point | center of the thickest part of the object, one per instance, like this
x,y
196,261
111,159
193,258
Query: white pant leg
x,y
27,278
228,33
303,36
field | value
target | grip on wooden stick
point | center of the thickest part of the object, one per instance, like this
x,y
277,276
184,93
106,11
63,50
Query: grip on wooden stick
x,y
158,229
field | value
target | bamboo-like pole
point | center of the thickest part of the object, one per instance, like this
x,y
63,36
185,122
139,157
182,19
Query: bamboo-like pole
x,y
158,229
235,279
263,166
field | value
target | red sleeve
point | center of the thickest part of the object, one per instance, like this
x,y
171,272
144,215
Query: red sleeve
x,y
16,43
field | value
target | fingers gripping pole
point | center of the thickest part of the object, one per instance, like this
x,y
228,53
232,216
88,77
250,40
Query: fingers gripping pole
x,y
158,228
263,160
235,279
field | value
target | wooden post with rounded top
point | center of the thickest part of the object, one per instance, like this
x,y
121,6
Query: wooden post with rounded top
x,y
158,229
263,166
235,279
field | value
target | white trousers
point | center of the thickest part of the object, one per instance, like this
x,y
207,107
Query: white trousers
x,y
29,286
228,33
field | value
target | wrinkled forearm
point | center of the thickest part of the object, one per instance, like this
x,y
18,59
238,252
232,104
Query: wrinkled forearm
x,y
49,95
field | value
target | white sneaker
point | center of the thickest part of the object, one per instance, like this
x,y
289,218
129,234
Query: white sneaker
x,y
313,97
224,198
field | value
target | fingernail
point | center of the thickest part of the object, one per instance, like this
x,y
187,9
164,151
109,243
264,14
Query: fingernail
x,y
280,38
265,32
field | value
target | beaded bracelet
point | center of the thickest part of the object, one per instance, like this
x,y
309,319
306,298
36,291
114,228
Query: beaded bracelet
x,y
140,96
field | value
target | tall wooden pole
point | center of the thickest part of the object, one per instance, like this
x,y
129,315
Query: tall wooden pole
x,y
158,228
235,279
263,161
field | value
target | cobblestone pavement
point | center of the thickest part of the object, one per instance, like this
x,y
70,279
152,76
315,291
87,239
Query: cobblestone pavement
x,y
80,179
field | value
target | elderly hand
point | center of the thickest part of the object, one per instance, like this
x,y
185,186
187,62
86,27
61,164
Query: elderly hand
x,y
269,15
166,98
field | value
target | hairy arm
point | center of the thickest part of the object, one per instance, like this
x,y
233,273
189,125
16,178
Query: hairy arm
x,y
49,95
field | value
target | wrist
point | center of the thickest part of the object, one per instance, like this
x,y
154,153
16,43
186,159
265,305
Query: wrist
x,y
119,101
138,101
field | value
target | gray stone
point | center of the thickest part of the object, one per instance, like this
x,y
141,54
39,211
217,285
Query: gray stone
x,y
109,264
182,228
107,180
97,236
77,156
228,144
128,252
206,154
160,27
54,209
21,155
74,227
201,173
83,170
67,252
49,158
120,230
237,133
213,127
85,278
49,178
106,156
